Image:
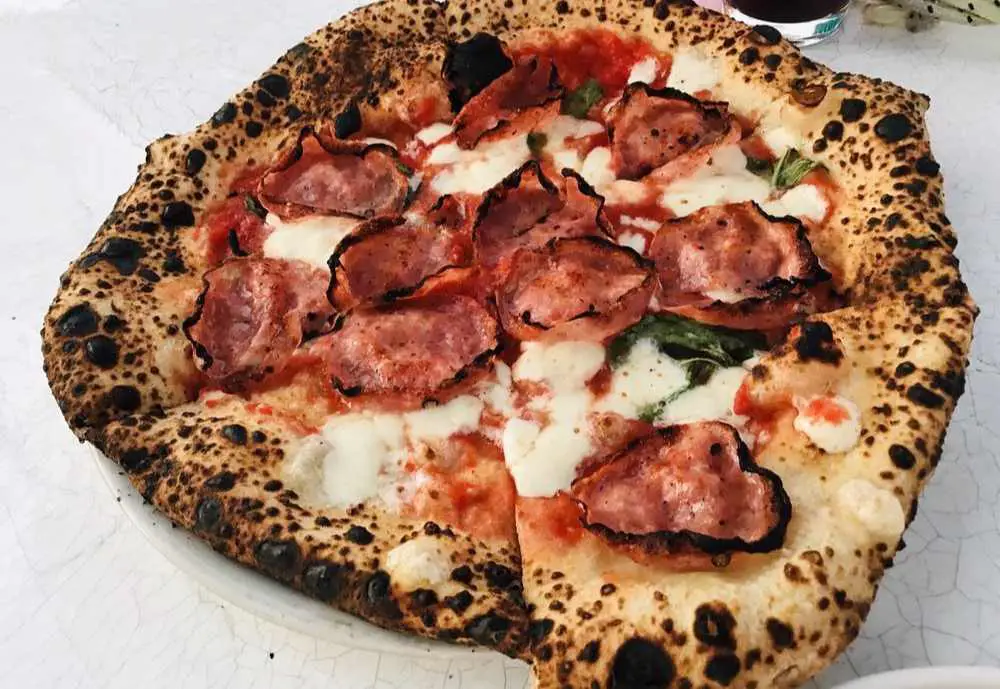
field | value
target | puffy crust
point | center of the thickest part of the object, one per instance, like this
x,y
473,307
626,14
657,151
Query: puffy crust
x,y
112,337
113,333
217,472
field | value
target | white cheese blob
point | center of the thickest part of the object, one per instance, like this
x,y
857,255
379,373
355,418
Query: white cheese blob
x,y
724,179
647,224
563,129
633,240
359,446
475,171
779,139
804,201
644,71
496,393
645,377
420,562
831,422
356,453
312,239
434,133
691,72
724,295
562,366
713,400
543,459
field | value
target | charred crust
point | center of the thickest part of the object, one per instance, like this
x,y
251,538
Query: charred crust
x,y
322,580
714,625
472,65
347,121
359,535
762,34
723,668
279,558
640,662
816,343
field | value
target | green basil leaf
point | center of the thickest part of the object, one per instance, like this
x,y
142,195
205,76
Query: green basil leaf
x,y
700,371
404,168
536,142
684,339
253,205
760,167
579,102
651,412
790,169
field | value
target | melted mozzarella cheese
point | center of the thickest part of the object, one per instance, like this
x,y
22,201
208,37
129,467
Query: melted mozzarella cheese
x,y
691,72
312,239
644,71
542,459
596,169
355,453
832,423
633,240
877,509
724,179
647,224
713,400
434,133
804,201
563,129
420,562
497,393
779,139
645,377
477,170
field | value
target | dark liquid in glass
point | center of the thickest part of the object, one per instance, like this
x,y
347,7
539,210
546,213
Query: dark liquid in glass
x,y
790,11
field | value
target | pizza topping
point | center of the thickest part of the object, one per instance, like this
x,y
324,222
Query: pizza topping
x,y
472,65
532,82
526,210
253,314
790,169
579,101
671,368
732,253
411,350
324,175
312,239
805,202
392,256
662,129
831,422
644,71
454,170
683,488
581,288
234,229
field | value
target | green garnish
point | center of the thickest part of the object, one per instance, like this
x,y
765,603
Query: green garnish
x,y
253,205
700,348
790,169
579,102
404,168
685,340
536,142
759,166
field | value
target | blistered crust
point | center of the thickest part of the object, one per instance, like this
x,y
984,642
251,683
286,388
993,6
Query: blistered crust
x,y
217,471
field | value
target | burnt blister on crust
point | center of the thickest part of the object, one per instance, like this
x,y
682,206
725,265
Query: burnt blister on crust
x,y
472,65
641,663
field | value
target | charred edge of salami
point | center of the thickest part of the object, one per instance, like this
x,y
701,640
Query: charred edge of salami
x,y
591,312
498,193
368,229
685,541
708,108
600,219
483,360
331,145
778,288
192,320
554,89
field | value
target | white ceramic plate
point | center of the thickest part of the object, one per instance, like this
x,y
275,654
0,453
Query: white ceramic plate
x,y
931,678
255,592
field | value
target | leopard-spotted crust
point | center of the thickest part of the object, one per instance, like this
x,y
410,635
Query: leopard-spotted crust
x,y
113,349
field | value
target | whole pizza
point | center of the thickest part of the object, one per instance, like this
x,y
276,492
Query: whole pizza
x,y
617,337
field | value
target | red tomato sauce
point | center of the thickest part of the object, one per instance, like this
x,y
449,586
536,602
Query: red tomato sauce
x,y
598,54
232,216
650,209
754,147
826,409
542,520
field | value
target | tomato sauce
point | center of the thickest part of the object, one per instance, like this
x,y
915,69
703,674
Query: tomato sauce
x,y
649,209
232,222
754,147
826,409
592,54
543,520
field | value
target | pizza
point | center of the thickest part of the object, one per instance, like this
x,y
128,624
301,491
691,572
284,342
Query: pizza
x,y
617,337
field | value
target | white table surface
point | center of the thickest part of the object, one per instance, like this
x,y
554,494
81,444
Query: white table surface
x,y
85,601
